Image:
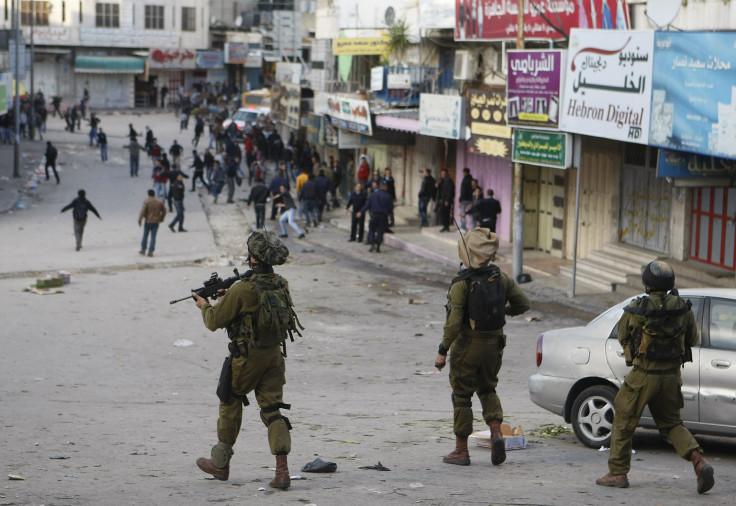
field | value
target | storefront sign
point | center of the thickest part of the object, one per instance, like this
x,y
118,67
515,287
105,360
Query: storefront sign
x,y
349,140
210,60
534,87
314,128
442,116
236,53
253,60
489,134
176,58
398,80
693,93
549,149
499,19
359,46
677,165
350,114
377,79
285,104
608,84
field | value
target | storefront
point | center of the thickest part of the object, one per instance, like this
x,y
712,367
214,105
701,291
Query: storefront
x,y
173,68
109,80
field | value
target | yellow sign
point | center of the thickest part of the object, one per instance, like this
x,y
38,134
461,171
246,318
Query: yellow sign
x,y
359,46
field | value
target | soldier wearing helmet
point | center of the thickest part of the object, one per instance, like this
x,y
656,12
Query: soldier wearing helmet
x,y
656,332
478,300
256,361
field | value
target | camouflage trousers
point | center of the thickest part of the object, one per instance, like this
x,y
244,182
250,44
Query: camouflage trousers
x,y
474,366
661,392
264,372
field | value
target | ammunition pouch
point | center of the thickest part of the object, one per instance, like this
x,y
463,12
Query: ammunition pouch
x,y
225,383
238,349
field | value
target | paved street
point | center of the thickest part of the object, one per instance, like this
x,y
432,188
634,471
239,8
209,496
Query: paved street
x,y
99,405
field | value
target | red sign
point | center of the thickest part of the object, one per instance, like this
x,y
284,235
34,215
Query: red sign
x,y
499,19
172,58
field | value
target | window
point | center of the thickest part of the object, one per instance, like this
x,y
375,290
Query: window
x,y
154,17
41,12
722,328
188,19
107,15
63,12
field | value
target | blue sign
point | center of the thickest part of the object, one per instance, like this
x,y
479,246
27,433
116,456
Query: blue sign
x,y
677,164
693,92
210,60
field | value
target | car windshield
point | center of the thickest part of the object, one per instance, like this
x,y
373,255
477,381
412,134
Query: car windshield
x,y
245,116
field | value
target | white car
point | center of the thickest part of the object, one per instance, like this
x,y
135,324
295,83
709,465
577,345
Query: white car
x,y
245,115
579,371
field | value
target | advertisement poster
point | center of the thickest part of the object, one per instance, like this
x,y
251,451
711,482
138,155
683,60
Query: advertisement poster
x,y
679,165
608,79
236,53
549,149
441,116
350,113
210,60
534,88
285,102
489,134
694,92
359,46
499,19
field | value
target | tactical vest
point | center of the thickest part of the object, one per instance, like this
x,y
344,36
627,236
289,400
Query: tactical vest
x,y
659,333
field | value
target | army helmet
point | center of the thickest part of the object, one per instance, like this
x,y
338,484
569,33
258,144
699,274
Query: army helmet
x,y
477,248
267,248
658,276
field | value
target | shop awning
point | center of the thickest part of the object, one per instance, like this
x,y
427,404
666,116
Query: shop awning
x,y
109,65
403,121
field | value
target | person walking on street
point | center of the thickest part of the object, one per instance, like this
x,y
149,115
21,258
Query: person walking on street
x,y
231,173
154,151
466,196
445,199
427,192
153,212
175,151
478,300
102,141
288,210
80,206
380,204
198,130
256,362
209,164
173,176
657,332
218,180
160,176
487,210
275,185
388,178
309,196
135,155
357,201
198,165
258,196
93,122
51,154
176,192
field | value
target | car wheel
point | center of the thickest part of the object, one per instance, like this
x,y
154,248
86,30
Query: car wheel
x,y
592,416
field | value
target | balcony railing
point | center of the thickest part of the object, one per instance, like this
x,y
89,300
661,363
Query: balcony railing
x,y
403,85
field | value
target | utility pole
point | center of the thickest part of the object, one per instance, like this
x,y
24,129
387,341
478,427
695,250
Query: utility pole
x,y
518,243
33,103
16,103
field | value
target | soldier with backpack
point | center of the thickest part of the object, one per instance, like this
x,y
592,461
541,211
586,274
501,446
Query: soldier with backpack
x,y
473,334
657,332
258,315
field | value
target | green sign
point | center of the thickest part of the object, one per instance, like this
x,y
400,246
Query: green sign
x,y
550,149
3,99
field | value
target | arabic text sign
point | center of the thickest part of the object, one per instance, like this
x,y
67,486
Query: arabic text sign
x,y
534,87
678,165
486,116
359,46
441,116
608,84
350,114
172,58
550,149
694,92
209,60
236,53
499,19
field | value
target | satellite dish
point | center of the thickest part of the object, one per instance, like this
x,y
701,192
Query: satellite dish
x,y
389,17
239,21
662,12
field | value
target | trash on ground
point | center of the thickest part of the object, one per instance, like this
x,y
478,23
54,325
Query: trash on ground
x,y
49,283
419,373
59,457
37,291
607,449
297,477
551,430
514,438
416,485
417,301
319,466
65,276
183,343
531,319
16,477
377,467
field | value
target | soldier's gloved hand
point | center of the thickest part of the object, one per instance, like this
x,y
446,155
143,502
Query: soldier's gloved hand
x,y
440,361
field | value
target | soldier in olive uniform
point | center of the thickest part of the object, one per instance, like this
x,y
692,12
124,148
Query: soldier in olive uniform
x,y
254,366
476,355
656,332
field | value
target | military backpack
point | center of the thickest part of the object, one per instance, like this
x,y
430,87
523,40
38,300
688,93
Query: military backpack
x,y
486,302
275,317
660,335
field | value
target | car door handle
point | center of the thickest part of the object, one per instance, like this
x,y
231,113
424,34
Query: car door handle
x,y
720,364
688,397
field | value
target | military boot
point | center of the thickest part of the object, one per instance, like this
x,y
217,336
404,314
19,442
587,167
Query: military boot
x,y
282,479
206,465
498,445
614,480
703,471
460,455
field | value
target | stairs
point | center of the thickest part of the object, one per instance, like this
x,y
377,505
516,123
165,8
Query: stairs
x,y
610,267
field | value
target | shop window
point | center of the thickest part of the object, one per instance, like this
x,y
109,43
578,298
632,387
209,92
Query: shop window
x,y
188,19
106,15
154,17
41,12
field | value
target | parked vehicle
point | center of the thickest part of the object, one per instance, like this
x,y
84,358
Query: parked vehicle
x,y
245,115
579,371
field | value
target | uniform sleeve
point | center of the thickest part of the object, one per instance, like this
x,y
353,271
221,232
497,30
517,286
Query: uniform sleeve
x,y
222,314
456,299
625,328
519,303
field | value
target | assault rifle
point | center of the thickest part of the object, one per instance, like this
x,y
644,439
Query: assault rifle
x,y
211,288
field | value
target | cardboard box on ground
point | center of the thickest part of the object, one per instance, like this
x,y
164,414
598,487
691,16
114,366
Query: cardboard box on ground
x,y
514,437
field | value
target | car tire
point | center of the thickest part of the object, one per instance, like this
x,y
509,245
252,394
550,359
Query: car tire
x,y
592,416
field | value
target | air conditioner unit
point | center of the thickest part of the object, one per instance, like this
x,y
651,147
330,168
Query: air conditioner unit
x,y
466,63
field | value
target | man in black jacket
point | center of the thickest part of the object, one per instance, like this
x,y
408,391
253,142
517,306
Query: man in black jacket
x,y
80,205
466,194
176,192
487,210
51,154
309,196
258,196
380,204
445,197
357,200
427,192
391,189
275,187
198,165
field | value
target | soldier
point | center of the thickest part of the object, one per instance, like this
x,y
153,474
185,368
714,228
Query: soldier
x,y
256,359
380,204
473,334
657,332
